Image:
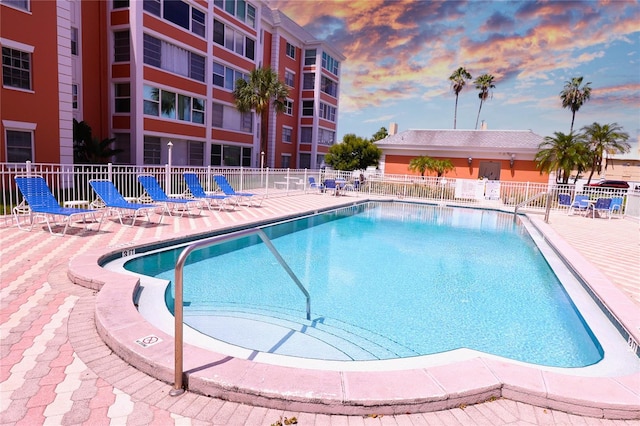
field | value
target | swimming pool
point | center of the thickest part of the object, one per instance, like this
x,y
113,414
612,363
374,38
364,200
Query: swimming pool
x,y
387,280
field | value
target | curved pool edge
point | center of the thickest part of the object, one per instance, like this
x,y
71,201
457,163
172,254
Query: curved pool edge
x,y
348,392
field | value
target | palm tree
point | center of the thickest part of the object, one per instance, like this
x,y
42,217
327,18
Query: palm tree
x,y
484,83
574,96
88,149
420,164
458,80
440,167
604,138
562,153
260,92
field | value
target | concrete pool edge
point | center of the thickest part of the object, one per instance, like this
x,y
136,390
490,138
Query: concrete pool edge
x,y
342,392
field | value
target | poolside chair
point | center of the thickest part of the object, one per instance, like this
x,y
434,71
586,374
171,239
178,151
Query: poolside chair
x,y
616,206
314,186
196,189
153,189
42,204
564,201
602,205
114,202
579,203
330,186
228,190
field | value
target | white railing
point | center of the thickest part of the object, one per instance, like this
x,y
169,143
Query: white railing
x,y
71,183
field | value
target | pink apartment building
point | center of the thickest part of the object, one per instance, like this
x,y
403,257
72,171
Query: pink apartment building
x,y
150,72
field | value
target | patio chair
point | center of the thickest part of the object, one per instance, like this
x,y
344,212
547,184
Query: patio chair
x,y
196,189
315,186
172,204
115,202
330,185
42,204
616,206
228,190
602,205
580,203
564,201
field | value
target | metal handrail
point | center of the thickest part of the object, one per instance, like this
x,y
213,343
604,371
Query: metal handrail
x,y
527,201
178,308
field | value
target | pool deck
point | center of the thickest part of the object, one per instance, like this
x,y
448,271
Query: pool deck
x,y
57,369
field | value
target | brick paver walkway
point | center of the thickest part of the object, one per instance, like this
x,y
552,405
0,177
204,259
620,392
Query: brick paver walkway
x,y
56,370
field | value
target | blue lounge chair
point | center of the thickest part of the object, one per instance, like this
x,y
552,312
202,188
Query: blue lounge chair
x,y
601,206
196,189
580,203
330,185
564,200
42,204
247,197
314,186
115,202
616,206
172,204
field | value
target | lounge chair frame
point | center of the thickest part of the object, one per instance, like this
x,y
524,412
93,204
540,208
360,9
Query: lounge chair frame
x,y
251,199
210,200
172,204
114,202
40,203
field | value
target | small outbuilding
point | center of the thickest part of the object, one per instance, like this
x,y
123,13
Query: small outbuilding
x,y
505,155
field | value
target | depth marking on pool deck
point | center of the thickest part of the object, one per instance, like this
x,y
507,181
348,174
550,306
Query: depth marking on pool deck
x,y
149,340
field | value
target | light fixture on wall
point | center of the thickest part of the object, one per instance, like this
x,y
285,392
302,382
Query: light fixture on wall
x,y
469,160
512,160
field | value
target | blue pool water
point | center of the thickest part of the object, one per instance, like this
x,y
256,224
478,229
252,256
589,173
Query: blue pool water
x,y
404,278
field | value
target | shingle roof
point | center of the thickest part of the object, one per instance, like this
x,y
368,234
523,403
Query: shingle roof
x,y
451,139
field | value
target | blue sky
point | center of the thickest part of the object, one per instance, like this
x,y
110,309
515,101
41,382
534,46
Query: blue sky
x,y
401,53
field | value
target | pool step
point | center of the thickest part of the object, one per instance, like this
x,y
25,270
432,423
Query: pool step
x,y
275,331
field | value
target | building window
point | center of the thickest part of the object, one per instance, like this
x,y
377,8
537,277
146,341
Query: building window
x,y
328,86
309,81
310,57
18,4
152,150
74,96
326,137
152,6
285,161
121,47
306,134
305,161
291,50
172,58
233,40
288,107
196,153
74,41
16,68
286,134
229,118
307,108
19,146
289,78
122,97
327,112
166,104
240,9
230,155
329,63
120,4
226,77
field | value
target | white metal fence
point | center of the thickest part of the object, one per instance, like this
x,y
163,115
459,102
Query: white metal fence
x,y
71,183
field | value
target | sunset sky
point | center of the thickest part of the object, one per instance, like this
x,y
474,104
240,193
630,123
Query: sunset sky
x,y
400,54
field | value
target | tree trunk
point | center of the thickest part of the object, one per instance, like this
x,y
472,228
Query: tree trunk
x,y
478,118
455,113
